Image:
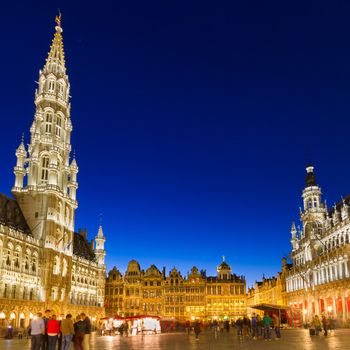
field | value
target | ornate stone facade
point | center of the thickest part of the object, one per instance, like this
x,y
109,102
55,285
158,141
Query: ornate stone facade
x,y
319,280
151,292
44,263
269,291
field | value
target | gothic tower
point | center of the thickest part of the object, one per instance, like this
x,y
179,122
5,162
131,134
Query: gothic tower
x,y
45,179
314,214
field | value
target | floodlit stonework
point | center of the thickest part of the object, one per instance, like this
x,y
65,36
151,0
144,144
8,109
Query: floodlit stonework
x,y
270,292
44,263
175,297
319,281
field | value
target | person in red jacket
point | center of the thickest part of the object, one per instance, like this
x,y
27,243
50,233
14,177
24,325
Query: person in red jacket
x,y
53,332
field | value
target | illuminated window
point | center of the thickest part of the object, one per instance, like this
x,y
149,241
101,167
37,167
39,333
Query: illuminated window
x,y
58,126
51,86
44,169
48,122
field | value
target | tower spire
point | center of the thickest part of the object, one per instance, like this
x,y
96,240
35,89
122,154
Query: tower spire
x,y
55,61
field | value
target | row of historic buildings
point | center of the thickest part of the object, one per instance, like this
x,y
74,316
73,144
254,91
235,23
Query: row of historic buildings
x,y
174,296
317,282
45,264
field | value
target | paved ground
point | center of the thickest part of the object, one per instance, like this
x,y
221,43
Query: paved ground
x,y
291,340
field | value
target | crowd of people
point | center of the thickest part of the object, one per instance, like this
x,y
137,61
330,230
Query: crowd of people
x,y
327,324
49,333
256,327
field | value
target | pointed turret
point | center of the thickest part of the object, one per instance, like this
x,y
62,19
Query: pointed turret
x,y
294,239
19,169
73,184
100,251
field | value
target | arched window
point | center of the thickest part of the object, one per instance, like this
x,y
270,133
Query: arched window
x,y
45,169
51,85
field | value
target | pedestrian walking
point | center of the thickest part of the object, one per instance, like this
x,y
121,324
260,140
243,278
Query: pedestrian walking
x,y
246,326
87,331
67,331
214,328
316,323
45,342
254,327
79,328
277,326
259,324
197,329
227,326
325,325
266,322
239,325
37,331
53,332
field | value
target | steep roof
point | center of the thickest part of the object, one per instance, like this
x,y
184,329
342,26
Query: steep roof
x,y
224,266
82,248
11,214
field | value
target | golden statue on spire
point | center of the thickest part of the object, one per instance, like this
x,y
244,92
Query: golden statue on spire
x,y
58,18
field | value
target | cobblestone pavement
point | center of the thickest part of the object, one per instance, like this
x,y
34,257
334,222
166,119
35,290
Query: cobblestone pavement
x,y
291,340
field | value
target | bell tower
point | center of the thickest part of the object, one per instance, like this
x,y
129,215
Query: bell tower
x,y
46,181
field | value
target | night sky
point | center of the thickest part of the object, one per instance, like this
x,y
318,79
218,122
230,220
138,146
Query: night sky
x,y
193,121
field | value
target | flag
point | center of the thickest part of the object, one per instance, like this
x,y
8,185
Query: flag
x,y
69,244
58,242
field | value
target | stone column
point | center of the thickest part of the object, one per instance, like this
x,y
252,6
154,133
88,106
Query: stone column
x,y
344,306
334,300
309,310
317,307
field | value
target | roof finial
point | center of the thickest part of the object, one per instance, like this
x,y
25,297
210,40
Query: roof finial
x,y
22,137
223,258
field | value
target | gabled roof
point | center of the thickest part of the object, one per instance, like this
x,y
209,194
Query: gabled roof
x,y
11,214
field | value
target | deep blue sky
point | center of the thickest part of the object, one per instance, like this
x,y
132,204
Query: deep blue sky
x,y
193,121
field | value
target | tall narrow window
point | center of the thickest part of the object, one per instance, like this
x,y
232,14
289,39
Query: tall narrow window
x,y
58,127
48,123
51,86
44,169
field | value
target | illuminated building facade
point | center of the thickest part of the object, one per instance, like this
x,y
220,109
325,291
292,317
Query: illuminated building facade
x,y
269,291
319,281
44,263
151,292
